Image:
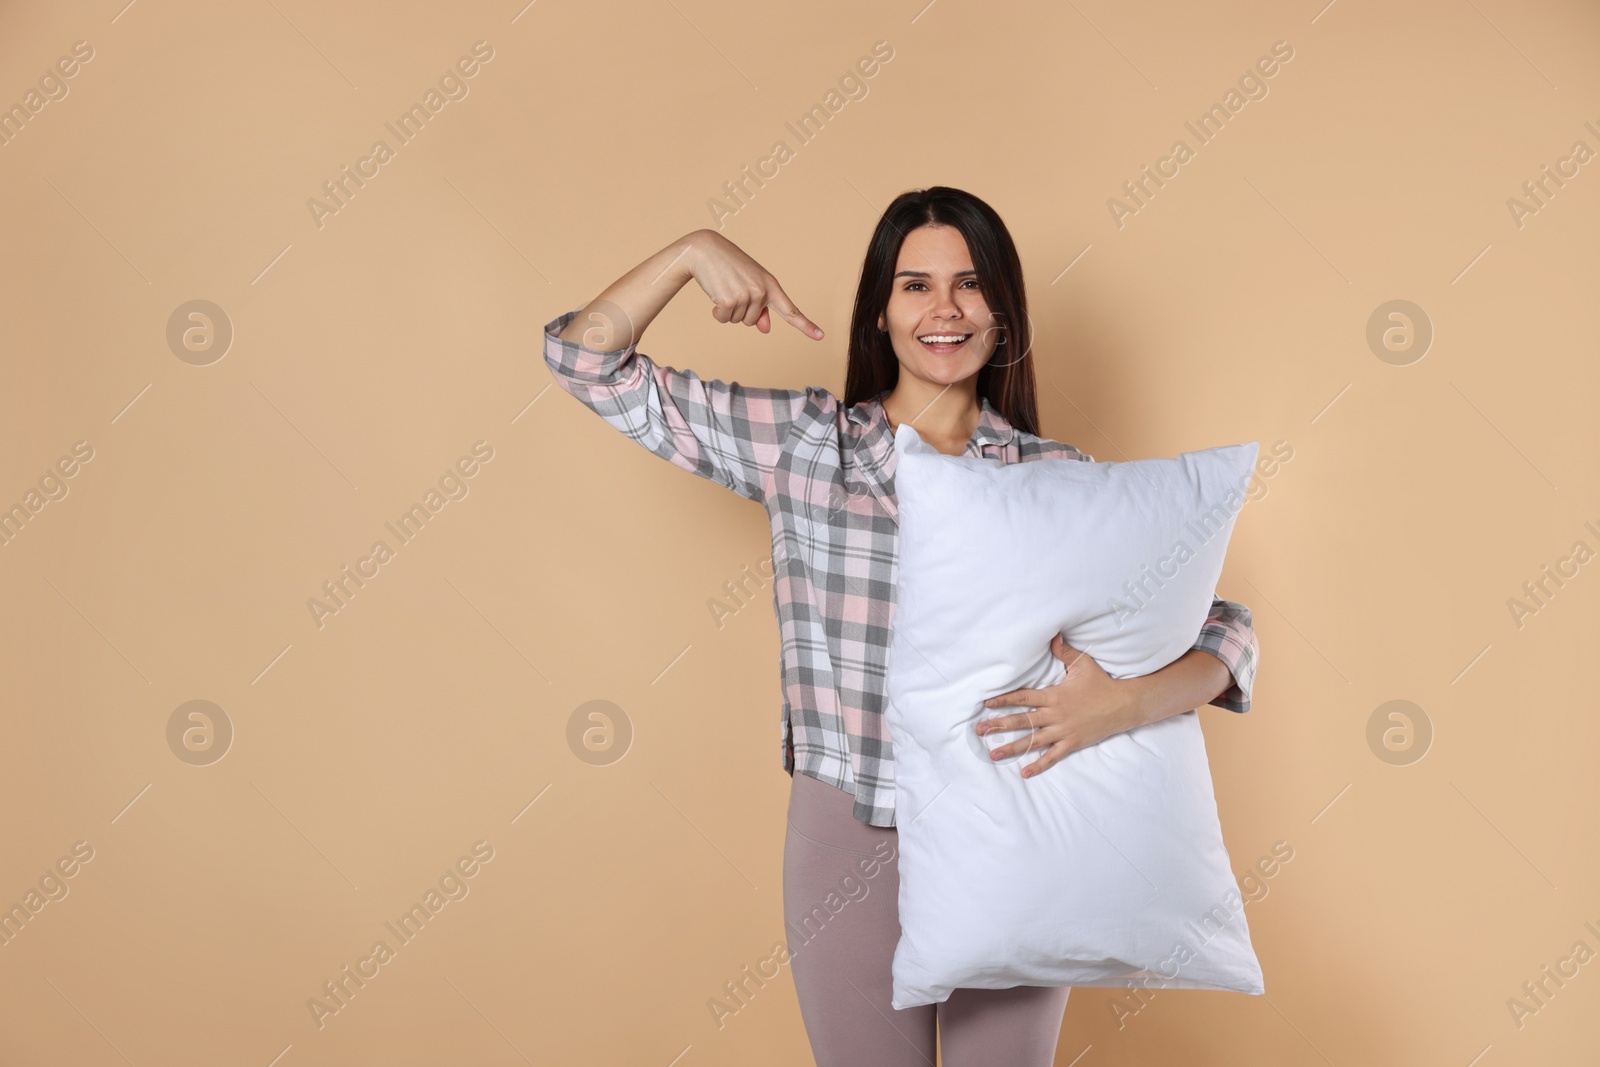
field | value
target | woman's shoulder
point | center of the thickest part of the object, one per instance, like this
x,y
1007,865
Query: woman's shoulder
x,y
1032,446
825,403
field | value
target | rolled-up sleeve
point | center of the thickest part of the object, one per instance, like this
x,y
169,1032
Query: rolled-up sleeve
x,y
1230,635
729,433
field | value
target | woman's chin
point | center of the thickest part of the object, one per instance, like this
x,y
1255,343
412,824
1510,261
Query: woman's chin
x,y
947,376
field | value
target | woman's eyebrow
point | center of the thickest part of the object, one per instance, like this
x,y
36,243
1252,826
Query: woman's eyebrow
x,y
925,274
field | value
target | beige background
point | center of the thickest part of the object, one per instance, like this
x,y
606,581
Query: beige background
x,y
429,713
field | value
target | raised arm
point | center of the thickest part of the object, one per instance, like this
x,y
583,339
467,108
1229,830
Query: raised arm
x,y
740,289
729,433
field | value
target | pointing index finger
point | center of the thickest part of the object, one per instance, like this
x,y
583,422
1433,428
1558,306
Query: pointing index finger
x,y
786,308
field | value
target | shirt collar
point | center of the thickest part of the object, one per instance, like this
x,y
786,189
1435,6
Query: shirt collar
x,y
992,426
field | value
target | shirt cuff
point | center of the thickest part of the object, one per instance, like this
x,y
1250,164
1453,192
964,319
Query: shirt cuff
x,y
578,361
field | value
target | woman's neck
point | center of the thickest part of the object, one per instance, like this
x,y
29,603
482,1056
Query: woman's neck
x,y
946,414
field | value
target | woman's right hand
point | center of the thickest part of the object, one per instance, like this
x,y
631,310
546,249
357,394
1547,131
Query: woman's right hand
x,y
741,290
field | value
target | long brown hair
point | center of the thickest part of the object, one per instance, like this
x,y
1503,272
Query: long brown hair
x,y
1007,379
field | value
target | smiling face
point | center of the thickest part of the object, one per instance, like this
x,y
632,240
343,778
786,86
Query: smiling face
x,y
936,296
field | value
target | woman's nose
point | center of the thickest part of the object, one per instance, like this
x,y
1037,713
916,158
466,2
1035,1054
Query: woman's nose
x,y
946,307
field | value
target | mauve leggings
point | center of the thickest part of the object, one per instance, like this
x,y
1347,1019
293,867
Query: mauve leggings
x,y
842,921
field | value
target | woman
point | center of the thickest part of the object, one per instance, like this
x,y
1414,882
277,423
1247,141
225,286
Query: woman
x,y
939,338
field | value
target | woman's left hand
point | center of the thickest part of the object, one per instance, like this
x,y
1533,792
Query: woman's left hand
x,y
1084,707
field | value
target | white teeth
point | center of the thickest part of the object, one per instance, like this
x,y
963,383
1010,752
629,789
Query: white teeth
x,y
945,338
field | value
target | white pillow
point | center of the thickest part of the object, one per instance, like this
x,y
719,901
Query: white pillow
x,y
1108,869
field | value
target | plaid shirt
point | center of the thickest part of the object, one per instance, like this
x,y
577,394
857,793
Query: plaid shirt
x,y
825,474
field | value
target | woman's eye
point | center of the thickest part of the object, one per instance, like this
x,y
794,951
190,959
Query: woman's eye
x,y
968,281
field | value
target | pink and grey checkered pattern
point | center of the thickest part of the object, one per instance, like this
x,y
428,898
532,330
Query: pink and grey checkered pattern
x,y
825,474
